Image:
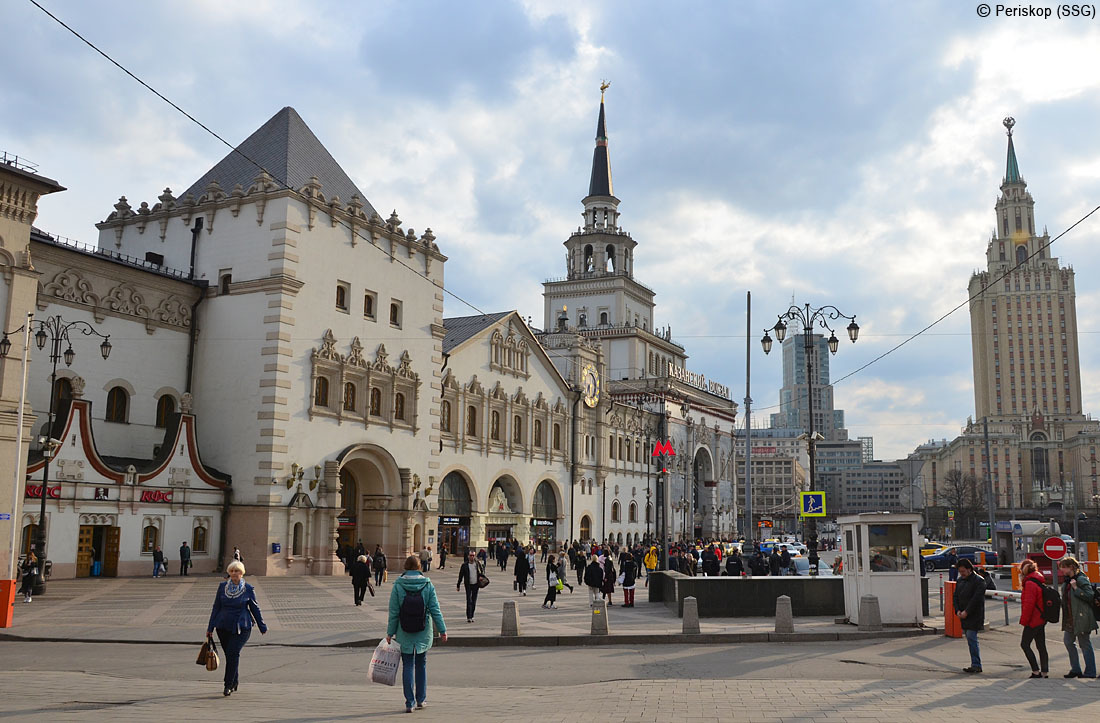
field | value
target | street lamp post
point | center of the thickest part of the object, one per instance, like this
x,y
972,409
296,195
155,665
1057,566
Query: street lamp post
x,y
810,318
56,331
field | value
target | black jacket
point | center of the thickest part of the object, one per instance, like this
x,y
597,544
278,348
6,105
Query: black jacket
x,y
469,576
360,573
523,568
970,597
158,556
593,575
773,563
734,566
629,572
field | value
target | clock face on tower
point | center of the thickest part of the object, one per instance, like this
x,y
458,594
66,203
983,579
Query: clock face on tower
x,y
590,385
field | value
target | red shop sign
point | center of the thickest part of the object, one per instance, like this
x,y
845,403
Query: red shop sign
x,y
54,493
156,496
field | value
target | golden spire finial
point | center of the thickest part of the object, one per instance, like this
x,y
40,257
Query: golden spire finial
x,y
604,85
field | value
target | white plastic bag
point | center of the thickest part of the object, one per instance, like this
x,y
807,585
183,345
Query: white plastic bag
x,y
384,662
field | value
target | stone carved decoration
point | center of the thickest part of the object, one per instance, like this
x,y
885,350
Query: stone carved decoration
x,y
122,210
405,367
498,501
125,299
187,402
179,477
143,217
449,381
376,503
474,387
69,285
540,402
77,385
328,348
520,397
559,407
107,520
236,194
380,357
356,357
498,392
174,311
72,469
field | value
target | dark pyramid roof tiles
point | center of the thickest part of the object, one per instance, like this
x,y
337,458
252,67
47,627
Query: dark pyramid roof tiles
x,y
461,328
287,148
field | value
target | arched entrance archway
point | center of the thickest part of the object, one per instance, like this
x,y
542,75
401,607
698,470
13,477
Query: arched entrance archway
x,y
369,484
504,511
455,506
418,537
544,515
703,488
586,528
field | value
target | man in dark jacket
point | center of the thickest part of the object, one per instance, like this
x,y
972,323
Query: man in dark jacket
x,y
468,575
360,578
593,578
774,562
784,561
734,566
969,602
158,562
952,560
710,562
185,558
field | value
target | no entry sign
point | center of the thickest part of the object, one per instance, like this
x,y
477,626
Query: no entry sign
x,y
1055,548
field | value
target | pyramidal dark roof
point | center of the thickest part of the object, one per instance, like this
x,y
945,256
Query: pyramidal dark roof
x,y
288,150
460,328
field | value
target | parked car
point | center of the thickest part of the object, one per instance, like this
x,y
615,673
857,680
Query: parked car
x,y
968,552
932,548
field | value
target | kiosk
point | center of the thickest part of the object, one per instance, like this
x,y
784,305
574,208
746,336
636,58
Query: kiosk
x,y
1022,538
881,552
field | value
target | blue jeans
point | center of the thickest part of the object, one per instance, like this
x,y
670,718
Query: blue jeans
x,y
419,662
972,643
232,644
1086,648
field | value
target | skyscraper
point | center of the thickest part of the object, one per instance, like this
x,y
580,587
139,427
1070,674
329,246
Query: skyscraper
x,y
794,397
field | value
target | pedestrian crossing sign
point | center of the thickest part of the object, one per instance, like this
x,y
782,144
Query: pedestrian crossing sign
x,y
812,504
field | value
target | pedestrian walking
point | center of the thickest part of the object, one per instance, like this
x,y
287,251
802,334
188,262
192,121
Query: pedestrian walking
x,y
735,567
29,570
1031,618
442,557
158,562
379,564
1078,619
562,571
468,575
608,579
551,583
235,607
593,579
952,560
784,561
650,563
629,573
414,618
426,558
579,565
522,570
969,602
531,564
360,578
185,558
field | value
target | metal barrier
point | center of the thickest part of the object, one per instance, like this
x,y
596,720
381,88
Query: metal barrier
x,y
1005,595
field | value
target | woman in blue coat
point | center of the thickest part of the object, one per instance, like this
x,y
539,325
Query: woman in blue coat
x,y
235,608
417,639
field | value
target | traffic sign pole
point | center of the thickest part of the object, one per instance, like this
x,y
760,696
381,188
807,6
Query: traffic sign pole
x,y
1055,548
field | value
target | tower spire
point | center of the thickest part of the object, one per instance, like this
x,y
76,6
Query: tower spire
x,y
1012,168
600,182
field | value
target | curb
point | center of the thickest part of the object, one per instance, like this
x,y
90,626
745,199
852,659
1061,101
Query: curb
x,y
551,641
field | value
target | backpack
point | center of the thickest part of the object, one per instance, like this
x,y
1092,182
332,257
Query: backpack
x,y
1050,603
413,614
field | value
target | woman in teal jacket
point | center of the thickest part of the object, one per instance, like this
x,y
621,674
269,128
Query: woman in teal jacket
x,y
415,644
1078,620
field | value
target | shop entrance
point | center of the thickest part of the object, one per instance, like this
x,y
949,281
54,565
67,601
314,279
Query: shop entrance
x,y
498,532
454,534
97,551
455,505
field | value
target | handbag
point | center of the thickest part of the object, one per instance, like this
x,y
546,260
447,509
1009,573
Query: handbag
x,y
561,585
482,581
621,578
208,655
384,662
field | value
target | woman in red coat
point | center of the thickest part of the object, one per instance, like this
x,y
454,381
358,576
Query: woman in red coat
x,y
1031,617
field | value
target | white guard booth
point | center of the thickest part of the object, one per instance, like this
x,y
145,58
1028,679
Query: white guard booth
x,y
881,551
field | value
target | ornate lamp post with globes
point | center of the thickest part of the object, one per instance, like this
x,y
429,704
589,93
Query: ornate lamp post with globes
x,y
56,331
809,319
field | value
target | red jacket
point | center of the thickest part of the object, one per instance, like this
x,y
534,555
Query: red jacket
x,y
1031,603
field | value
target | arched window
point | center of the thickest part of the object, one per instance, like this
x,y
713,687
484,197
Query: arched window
x,y
395,314
454,496
375,401
586,528
610,258
603,318
557,436
582,320
320,392
166,406
546,504
632,512
611,446
368,305
224,282
588,264
341,297
62,392
471,421
149,539
538,432
1021,254
445,416
399,406
118,403
517,429
349,396
494,425
30,534
648,513
198,539
616,512
296,548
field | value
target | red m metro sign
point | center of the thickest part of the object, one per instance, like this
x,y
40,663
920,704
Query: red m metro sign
x,y
665,449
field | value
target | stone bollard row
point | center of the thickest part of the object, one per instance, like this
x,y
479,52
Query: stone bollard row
x,y
784,615
691,616
870,618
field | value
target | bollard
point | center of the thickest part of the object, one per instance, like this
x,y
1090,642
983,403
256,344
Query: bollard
x,y
1006,611
509,624
691,616
784,616
952,626
941,592
599,619
870,618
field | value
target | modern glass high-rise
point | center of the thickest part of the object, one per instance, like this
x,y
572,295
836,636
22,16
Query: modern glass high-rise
x,y
794,397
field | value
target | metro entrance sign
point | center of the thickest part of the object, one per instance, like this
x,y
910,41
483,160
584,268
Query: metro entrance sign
x,y
1055,548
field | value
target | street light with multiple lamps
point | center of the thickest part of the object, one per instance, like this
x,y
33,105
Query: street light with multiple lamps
x,y
810,318
56,331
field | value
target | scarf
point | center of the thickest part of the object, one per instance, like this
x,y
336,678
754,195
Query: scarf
x,y
234,591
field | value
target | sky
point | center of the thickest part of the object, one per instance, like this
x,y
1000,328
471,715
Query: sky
x,y
830,153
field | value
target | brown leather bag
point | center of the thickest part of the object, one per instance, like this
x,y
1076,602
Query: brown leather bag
x,y
208,655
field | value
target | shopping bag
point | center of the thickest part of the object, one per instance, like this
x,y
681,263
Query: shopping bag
x,y
482,581
561,585
384,662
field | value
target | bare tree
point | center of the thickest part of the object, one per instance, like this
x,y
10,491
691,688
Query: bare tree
x,y
963,493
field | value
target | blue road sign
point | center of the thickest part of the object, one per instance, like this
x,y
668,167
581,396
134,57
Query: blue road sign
x,y
813,504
